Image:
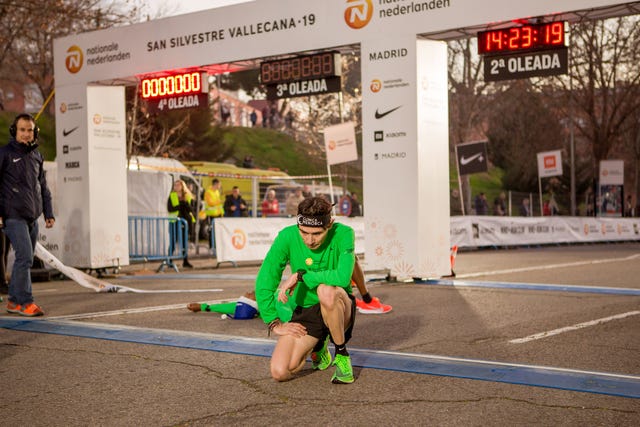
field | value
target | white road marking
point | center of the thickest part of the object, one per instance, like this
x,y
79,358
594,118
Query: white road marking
x,y
573,327
547,267
130,311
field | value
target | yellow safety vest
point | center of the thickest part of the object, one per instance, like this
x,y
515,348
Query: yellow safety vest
x,y
175,201
213,203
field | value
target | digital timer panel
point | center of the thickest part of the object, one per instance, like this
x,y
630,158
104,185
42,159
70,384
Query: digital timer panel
x,y
304,67
525,37
173,85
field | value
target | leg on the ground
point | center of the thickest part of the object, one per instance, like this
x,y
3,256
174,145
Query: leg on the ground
x,y
289,355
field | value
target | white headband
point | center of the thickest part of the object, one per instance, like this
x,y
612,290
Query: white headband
x,y
314,221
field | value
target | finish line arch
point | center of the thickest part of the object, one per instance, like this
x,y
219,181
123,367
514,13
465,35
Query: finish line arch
x,y
404,79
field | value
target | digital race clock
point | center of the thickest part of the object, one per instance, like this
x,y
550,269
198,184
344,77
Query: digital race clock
x,y
525,37
304,67
173,85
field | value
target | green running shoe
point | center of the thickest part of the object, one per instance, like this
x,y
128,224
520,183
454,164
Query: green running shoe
x,y
344,371
321,360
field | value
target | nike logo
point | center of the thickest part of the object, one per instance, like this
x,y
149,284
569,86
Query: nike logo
x,y
468,160
68,132
17,160
381,115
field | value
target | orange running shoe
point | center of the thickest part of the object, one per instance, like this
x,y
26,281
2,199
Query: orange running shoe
x,y
12,307
374,307
30,310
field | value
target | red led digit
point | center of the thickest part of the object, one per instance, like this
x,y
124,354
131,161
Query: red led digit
x,y
327,64
197,84
486,42
306,67
285,68
557,33
295,68
526,38
496,40
514,38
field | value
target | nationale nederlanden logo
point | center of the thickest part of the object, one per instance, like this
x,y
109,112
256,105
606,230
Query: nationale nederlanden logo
x,y
74,59
358,13
238,239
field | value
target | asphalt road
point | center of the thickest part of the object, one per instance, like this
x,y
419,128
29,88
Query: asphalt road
x,y
537,336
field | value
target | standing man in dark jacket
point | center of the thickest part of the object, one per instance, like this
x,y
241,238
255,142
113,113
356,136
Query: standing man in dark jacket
x,y
23,197
234,204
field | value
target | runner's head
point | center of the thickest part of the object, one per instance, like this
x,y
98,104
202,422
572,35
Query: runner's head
x,y
314,221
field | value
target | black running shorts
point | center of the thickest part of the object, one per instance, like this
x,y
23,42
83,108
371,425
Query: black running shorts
x,y
311,318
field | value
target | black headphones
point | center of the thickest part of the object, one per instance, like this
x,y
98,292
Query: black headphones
x,y
13,129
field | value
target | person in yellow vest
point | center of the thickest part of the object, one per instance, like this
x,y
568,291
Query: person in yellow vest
x,y
212,207
179,204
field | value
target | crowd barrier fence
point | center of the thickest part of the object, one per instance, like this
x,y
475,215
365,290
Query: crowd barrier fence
x,y
162,239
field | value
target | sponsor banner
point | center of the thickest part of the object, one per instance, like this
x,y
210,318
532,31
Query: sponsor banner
x,y
107,224
340,143
524,65
472,157
405,146
304,88
476,231
432,215
249,239
392,162
549,163
270,28
69,238
611,172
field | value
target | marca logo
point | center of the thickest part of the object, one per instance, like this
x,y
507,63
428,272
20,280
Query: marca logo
x,y
549,162
238,239
74,59
358,13
375,85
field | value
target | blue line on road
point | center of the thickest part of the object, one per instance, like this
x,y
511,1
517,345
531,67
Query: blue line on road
x,y
532,287
581,381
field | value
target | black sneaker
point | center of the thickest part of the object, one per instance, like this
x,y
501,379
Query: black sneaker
x,y
4,288
187,264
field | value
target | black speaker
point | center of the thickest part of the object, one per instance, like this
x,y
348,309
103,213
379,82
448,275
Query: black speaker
x,y
13,129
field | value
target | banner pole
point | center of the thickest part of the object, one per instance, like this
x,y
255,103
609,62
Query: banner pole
x,y
333,209
540,194
455,147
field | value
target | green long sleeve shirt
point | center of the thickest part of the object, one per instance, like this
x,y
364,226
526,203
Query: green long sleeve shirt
x,y
331,264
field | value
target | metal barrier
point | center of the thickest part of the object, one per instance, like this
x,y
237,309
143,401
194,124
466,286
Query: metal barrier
x,y
158,239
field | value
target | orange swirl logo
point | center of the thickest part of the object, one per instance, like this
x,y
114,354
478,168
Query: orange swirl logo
x,y
74,59
375,85
332,145
238,239
358,13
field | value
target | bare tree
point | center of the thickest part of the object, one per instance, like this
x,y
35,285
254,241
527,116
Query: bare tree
x,y
602,92
465,101
28,28
521,124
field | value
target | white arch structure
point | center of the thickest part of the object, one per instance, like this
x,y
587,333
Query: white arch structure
x,y
404,79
